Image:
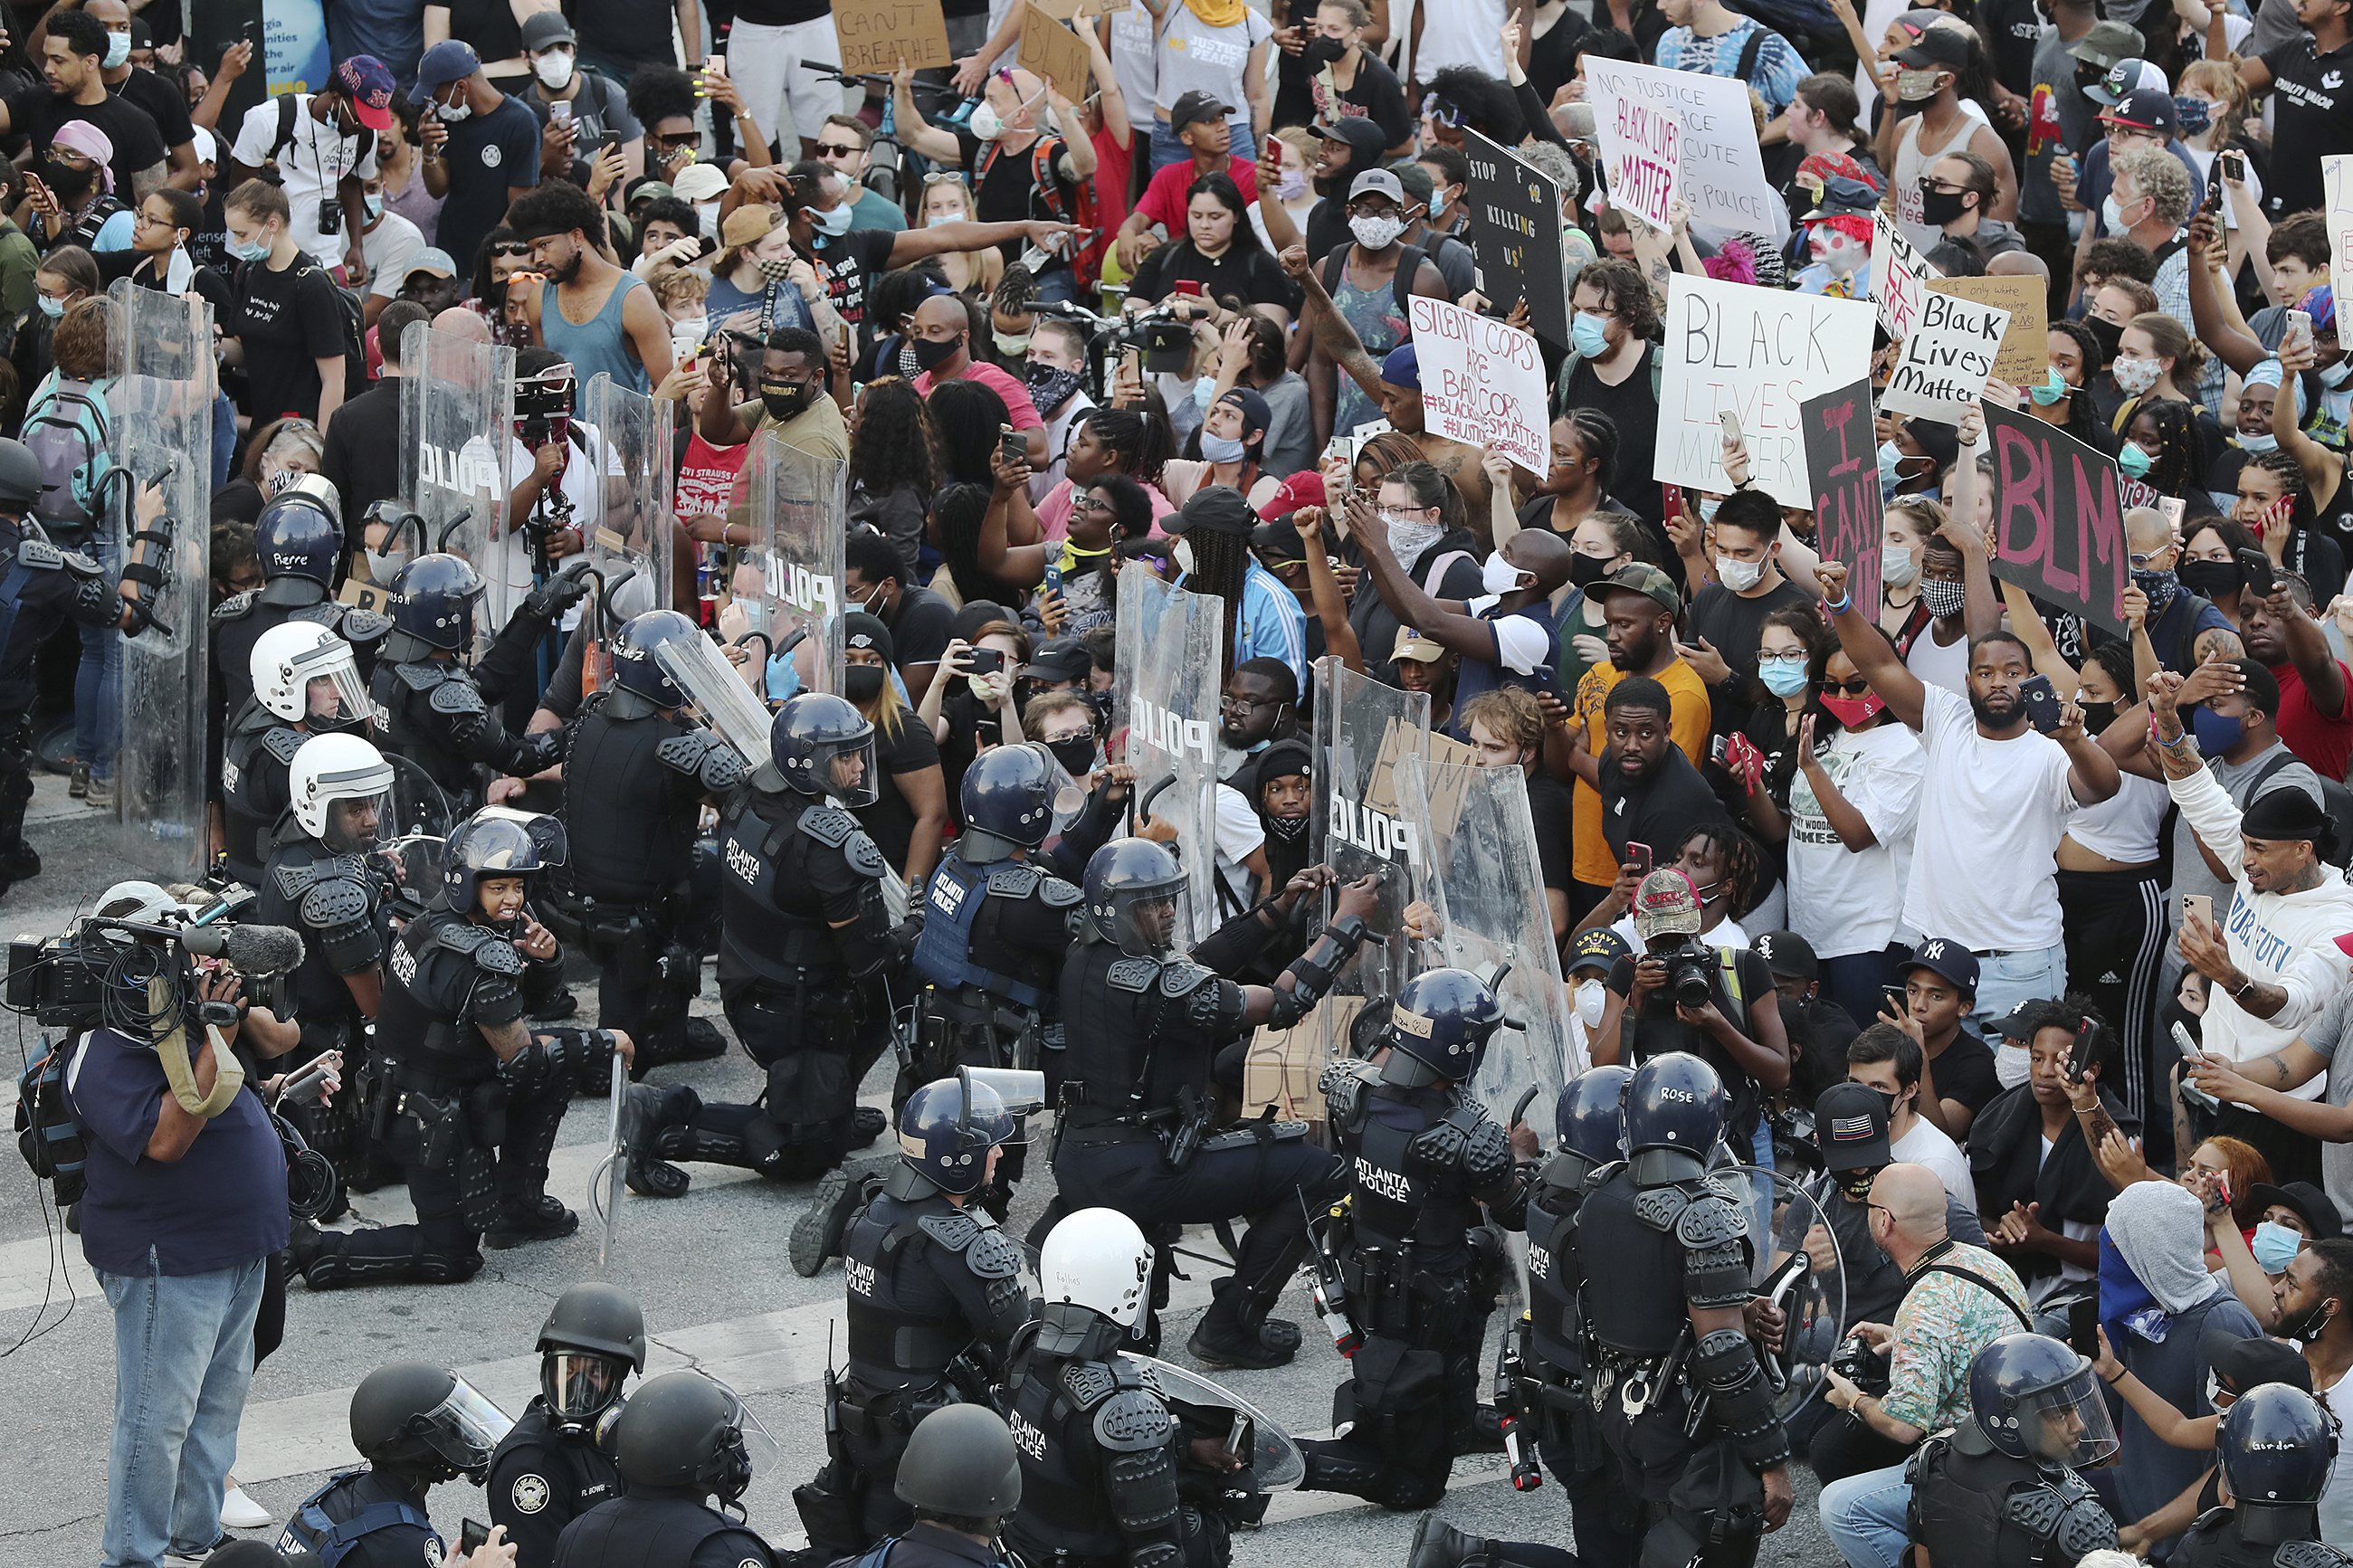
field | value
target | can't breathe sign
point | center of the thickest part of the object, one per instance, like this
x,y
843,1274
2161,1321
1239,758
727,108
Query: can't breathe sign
x,y
1482,383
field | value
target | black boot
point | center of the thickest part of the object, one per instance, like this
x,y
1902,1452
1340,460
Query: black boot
x,y
816,1234
703,1041
540,1218
866,1124
1437,1544
652,1112
1236,1332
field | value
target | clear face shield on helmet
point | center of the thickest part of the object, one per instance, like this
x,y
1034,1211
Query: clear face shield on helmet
x,y
546,832
760,1450
846,772
1062,791
354,822
465,1428
580,1385
2067,1424
1151,921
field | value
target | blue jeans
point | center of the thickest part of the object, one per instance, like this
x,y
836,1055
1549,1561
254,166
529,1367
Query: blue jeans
x,y
98,683
182,1360
1168,150
2002,984
1865,1516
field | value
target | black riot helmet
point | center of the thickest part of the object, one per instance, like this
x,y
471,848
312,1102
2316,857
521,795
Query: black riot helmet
x,y
1439,1029
1012,795
818,740
961,1461
2277,1450
1674,1101
1591,1116
299,538
594,1338
1126,880
635,669
498,841
427,1420
683,1430
2037,1399
20,477
433,600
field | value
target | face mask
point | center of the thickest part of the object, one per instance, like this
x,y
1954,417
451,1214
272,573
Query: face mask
x,y
2054,387
452,113
863,683
2274,1247
1782,678
53,308
1497,575
281,480
2098,715
932,352
1854,713
1221,448
1707,508
1292,186
1437,200
1917,86
2266,442
832,225
1205,392
373,207
1739,575
1943,598
2112,215
775,268
1287,829
1897,567
1050,388
555,70
1008,343
1077,755
2195,114
1938,208
2108,332
1588,335
1856,1184
785,403
256,251
383,568
985,124
2209,579
2216,733
1182,554
1585,569
1890,466
2335,376
2130,459
2160,587
2306,1325
1408,539
1375,233
1592,997
2134,375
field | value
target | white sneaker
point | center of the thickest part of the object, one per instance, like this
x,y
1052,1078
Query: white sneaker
x,y
239,1512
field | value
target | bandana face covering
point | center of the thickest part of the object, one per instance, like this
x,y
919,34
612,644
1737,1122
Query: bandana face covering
x,y
1943,599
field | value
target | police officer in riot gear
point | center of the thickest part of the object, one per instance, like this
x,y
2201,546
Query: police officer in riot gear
x,y
551,1468
1100,1454
417,1425
646,907
2000,1490
2277,1448
679,1442
435,710
304,683
935,1295
961,1475
1418,1265
465,1096
1145,1025
299,541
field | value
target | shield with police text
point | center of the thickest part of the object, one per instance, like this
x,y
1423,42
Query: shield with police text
x,y
1360,827
1165,723
789,584
629,538
160,362
1795,1270
457,454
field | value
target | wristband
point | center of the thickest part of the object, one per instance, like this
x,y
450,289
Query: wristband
x,y
1841,607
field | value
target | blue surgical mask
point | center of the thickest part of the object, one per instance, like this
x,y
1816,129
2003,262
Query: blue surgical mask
x,y
1782,677
2131,460
117,49
258,252
1890,462
2054,387
1708,505
2266,442
1589,334
835,222
1221,448
52,308
2216,733
1437,204
1205,391
2274,1245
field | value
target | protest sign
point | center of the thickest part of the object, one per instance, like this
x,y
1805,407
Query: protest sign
x,y
1899,276
876,38
1947,356
1721,174
2059,527
1759,352
2024,352
2337,211
1052,51
1514,230
1482,383
1842,455
1642,153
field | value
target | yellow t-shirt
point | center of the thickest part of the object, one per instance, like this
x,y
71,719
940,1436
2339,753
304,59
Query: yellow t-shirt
x,y
1688,723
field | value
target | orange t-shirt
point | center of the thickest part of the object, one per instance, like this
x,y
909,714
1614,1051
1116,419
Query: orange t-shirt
x,y
1688,723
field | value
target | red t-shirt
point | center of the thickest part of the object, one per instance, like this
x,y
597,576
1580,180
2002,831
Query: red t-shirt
x,y
2323,742
1115,166
706,479
1164,198
1016,396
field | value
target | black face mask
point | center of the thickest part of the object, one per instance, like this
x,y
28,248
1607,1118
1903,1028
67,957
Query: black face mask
x,y
1856,1184
863,683
70,185
1938,208
1322,52
1584,569
2108,333
1077,755
932,352
1287,829
2098,715
2210,579
786,401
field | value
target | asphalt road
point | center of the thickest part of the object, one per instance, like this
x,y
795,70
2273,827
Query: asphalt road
x,y
710,1271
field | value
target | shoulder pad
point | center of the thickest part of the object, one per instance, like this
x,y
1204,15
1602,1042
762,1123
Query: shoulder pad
x,y
424,674
1056,894
1132,1421
1343,1086
1014,881
1182,977
43,557
1487,1154
321,613
363,625
1136,975
1660,1207
282,743
2065,1513
1087,1383
1439,1146
829,825
490,952
2306,1554
993,1255
79,564
680,754
1710,1221
954,1231
334,901
237,607
456,698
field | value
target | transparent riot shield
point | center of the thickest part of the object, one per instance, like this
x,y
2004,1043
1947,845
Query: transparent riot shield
x,y
716,691
1360,824
1165,723
419,804
456,396
1487,890
1274,1458
789,584
629,538
159,357
1784,1217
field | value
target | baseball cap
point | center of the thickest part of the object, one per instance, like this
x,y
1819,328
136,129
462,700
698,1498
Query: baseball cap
x,y
364,79
1304,488
1256,414
2319,1214
1851,1127
2014,1024
1415,177
1363,138
1219,509
1936,47
1788,955
1600,948
1411,644
2107,43
1196,105
2145,109
2241,1365
699,183
2128,76
1842,197
1666,904
1402,367
544,29
1377,182
1942,955
746,224
433,260
1061,658
446,62
1642,577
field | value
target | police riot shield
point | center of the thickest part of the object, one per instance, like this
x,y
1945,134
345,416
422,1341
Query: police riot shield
x,y
1165,723
1789,1232
629,537
1487,890
789,584
456,396
1273,1459
717,691
1360,825
419,804
604,1186
159,357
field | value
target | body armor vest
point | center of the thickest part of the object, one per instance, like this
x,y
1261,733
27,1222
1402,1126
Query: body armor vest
x,y
443,1045
1630,1276
642,1531
893,1343
630,838
770,923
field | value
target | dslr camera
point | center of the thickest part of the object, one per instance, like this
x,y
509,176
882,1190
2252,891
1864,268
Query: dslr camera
x,y
1691,972
1857,1363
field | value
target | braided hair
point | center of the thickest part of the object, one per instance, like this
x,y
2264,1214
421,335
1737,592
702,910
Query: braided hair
x,y
1741,862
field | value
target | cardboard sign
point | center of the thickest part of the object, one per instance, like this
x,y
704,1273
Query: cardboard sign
x,y
1900,276
1843,454
1641,155
2059,526
1051,51
2336,212
2024,352
1482,383
1947,356
1514,231
876,38
1759,352
1720,170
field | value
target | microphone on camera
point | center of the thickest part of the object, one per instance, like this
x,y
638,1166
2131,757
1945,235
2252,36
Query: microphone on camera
x,y
254,950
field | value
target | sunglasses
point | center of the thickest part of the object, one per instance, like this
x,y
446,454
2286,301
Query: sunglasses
x,y
841,150
672,144
1855,687
509,248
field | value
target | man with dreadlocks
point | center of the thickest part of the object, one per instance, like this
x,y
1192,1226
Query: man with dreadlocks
x,y
1263,619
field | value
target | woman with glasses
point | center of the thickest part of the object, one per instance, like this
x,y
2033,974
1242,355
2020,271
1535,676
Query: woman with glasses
x,y
158,258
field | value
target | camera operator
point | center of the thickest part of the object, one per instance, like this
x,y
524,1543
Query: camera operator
x,y
186,1202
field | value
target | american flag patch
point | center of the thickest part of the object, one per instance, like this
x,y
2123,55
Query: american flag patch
x,y
1848,1129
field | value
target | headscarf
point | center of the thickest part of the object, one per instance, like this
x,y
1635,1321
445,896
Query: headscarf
x,y
91,142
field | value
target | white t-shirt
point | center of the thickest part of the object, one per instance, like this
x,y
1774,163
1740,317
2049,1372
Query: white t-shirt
x,y
1214,59
2207,160
1992,815
1840,901
507,569
1912,161
1925,1145
1521,645
2124,826
390,250
1937,664
316,161
1240,833
1460,33
1134,62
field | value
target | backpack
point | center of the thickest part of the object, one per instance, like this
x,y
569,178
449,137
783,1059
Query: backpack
x,y
66,435
2334,796
356,376
1046,188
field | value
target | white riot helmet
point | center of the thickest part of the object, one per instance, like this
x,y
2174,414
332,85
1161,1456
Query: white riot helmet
x,y
1097,1258
342,792
289,657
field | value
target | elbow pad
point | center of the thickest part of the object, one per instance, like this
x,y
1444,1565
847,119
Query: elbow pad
x,y
1725,1366
1313,971
536,1064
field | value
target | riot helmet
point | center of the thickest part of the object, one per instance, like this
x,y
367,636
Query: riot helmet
x,y
415,1417
1098,1260
961,1461
947,1128
1674,1101
498,841
305,674
635,668
2277,1450
299,538
1014,796
433,601
1439,1029
1590,1117
1136,896
825,747
592,1341
683,1430
341,791
2037,1400
20,477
